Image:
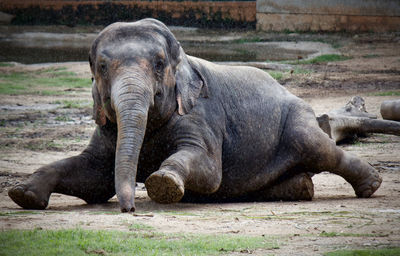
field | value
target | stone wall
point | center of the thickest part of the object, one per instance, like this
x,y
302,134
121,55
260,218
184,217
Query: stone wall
x,y
221,14
328,15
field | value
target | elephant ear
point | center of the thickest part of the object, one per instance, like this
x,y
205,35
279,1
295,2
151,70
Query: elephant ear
x,y
190,85
98,111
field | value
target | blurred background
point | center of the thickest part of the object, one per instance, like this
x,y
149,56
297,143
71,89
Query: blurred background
x,y
62,30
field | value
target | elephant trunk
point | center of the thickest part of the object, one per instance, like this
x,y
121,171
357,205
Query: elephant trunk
x,y
130,98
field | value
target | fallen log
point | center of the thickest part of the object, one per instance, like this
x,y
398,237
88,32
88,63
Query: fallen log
x,y
390,110
353,121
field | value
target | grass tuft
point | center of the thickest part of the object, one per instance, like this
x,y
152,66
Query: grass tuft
x,y
18,213
248,40
79,104
6,64
388,93
52,81
368,252
140,226
82,242
277,75
322,59
63,118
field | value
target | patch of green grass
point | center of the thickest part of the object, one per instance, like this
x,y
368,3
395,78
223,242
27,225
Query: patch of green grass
x,y
337,234
248,40
73,103
301,71
63,118
140,226
358,143
368,252
44,82
82,242
277,75
322,59
388,93
6,64
17,213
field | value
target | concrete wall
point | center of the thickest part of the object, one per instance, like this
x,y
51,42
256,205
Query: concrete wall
x,y
223,14
328,15
272,15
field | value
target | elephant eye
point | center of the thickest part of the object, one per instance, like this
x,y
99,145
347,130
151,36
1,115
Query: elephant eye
x,y
159,66
103,67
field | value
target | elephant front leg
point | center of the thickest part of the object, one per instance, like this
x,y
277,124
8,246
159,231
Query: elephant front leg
x,y
34,193
80,176
189,168
88,176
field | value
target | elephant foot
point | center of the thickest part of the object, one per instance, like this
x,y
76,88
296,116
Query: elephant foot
x,y
368,186
28,199
298,187
165,187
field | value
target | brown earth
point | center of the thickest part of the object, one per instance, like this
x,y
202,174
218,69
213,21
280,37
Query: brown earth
x,y
31,137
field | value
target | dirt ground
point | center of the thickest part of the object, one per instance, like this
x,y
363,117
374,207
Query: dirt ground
x,y
32,135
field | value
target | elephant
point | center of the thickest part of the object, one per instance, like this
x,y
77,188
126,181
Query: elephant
x,y
353,121
390,110
191,130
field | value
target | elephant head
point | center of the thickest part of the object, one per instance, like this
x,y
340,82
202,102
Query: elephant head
x,y
141,77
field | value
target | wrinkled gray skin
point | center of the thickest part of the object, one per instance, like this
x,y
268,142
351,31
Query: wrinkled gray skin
x,y
354,121
191,130
390,110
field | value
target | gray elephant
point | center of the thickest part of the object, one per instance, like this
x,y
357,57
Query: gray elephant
x,y
191,130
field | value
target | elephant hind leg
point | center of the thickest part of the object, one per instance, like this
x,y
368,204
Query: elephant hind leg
x,y
319,153
294,188
364,179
